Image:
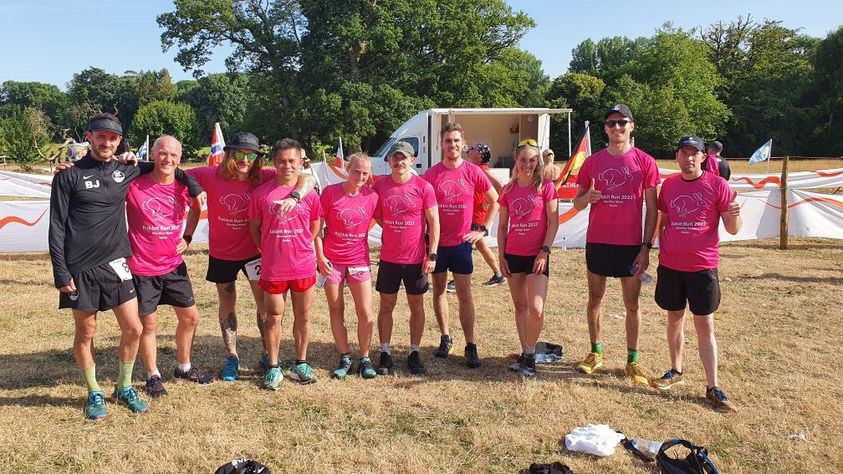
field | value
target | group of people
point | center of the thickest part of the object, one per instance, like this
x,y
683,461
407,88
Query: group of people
x,y
271,225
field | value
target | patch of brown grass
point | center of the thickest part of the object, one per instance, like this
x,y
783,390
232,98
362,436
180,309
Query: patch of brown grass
x,y
775,166
778,330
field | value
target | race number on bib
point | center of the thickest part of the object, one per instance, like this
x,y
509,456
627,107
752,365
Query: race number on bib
x,y
253,269
121,268
356,270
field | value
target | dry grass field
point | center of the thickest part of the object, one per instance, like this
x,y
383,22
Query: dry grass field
x,y
778,329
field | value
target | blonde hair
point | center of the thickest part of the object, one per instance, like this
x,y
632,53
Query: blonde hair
x,y
359,156
537,180
228,169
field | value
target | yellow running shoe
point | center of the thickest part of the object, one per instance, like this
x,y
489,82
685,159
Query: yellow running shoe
x,y
634,372
592,362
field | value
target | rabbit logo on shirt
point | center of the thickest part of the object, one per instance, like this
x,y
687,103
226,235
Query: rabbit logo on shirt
x,y
614,178
236,203
399,204
160,208
284,217
352,217
523,207
687,204
452,189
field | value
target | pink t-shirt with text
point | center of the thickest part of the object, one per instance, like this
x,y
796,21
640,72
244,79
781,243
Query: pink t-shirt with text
x,y
527,217
401,208
347,220
155,213
455,189
690,240
228,212
616,218
286,240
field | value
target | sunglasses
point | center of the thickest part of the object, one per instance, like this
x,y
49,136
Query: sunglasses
x,y
240,155
527,142
619,123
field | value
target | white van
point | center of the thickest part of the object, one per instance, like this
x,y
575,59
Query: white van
x,y
501,129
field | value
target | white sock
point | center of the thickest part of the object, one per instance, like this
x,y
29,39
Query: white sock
x,y
530,350
414,347
183,368
153,373
385,347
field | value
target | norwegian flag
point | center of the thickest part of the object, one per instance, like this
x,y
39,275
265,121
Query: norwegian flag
x,y
217,145
339,157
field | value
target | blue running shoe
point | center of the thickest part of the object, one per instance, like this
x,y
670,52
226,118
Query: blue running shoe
x,y
342,369
129,397
95,406
365,368
231,370
302,373
273,378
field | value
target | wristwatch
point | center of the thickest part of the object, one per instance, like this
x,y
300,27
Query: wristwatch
x,y
483,228
546,249
649,245
187,238
432,257
295,195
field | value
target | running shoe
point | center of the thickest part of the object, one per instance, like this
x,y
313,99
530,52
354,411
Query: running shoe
x,y
451,287
154,388
365,368
302,373
232,369
471,357
495,281
669,379
129,397
592,362
446,347
273,378
385,366
634,372
342,368
529,368
516,366
720,401
95,406
192,375
414,363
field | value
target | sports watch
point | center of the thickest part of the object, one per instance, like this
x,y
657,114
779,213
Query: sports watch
x,y
296,196
483,229
432,257
546,249
649,245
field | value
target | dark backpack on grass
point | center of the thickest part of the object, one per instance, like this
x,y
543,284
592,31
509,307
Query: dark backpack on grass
x,y
243,466
697,461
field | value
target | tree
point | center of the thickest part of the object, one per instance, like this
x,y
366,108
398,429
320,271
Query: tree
x,y
161,117
222,98
94,90
584,94
153,85
23,133
827,135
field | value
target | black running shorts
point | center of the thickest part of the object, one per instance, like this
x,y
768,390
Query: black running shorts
x,y
98,289
701,290
524,264
171,288
225,271
390,276
611,260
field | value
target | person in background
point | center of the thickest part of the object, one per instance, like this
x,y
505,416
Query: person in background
x,y
714,163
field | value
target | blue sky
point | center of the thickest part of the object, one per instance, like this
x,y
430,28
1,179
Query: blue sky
x,y
49,40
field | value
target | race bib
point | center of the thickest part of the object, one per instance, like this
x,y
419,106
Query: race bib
x,y
253,270
121,268
356,270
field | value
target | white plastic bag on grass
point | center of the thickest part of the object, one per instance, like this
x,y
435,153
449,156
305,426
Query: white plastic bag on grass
x,y
599,440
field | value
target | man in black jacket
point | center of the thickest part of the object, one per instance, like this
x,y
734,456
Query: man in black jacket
x,y
88,247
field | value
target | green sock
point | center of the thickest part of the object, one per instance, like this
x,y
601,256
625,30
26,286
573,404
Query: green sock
x,y
631,356
125,378
597,347
90,377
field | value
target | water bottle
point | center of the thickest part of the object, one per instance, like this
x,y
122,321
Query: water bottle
x,y
645,278
564,242
648,448
321,279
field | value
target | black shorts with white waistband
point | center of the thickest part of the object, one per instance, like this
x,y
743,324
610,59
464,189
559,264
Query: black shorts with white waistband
x,y
171,288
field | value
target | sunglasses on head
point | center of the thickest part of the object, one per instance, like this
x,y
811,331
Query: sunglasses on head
x,y
527,142
619,123
242,155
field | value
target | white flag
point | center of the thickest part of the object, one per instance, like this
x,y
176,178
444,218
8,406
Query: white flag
x,y
763,153
143,151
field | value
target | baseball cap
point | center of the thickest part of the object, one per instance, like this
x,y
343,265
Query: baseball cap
x,y
244,141
622,109
716,145
106,124
693,141
404,148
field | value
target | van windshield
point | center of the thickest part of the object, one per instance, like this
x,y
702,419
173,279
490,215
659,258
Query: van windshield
x,y
385,147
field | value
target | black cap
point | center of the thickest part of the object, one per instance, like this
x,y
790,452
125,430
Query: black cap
x,y
107,124
716,145
244,141
622,109
693,141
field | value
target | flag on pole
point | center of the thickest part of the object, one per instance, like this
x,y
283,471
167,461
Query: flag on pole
x,y
143,151
339,157
763,153
217,146
577,158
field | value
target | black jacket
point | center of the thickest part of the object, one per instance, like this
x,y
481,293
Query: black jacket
x,y
87,214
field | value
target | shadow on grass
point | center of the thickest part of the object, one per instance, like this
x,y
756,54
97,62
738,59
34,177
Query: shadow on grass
x,y
40,401
795,279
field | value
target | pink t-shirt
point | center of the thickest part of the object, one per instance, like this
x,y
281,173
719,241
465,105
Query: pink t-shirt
x,y
455,190
401,208
347,220
228,213
616,218
690,242
155,213
286,241
527,217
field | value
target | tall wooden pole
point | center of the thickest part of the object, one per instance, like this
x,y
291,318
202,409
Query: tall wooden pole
x,y
783,222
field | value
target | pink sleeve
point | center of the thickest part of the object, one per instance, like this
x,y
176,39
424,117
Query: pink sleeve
x,y
548,192
428,175
268,174
199,174
503,199
316,209
725,197
651,172
660,200
324,201
584,175
429,196
254,207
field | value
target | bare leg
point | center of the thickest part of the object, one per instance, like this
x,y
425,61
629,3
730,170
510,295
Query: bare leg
x,y
185,332
387,305
594,310
631,287
274,316
227,293
488,256
708,347
260,311
302,304
536,289
463,283
336,310
517,288
362,294
416,304
676,338
130,329
440,301
148,342
83,338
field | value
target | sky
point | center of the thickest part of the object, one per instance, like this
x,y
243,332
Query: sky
x,y
50,40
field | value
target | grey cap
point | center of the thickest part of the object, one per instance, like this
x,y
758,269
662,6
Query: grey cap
x,y
716,145
244,141
622,109
404,148
693,141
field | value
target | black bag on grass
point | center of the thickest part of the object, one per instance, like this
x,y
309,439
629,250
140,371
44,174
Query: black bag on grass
x,y
555,468
696,462
242,466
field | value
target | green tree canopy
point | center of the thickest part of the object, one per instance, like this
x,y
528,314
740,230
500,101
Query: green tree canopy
x,y
161,117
